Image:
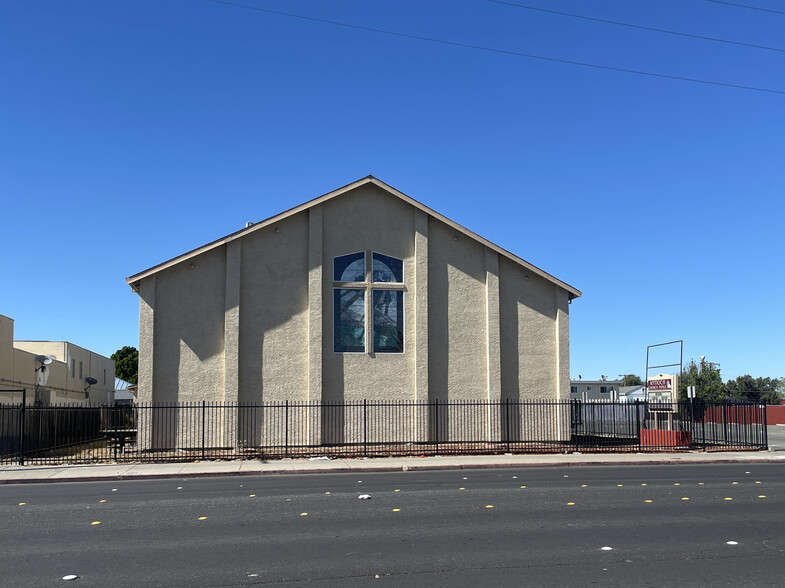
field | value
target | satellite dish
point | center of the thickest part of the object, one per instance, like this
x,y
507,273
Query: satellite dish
x,y
44,359
91,381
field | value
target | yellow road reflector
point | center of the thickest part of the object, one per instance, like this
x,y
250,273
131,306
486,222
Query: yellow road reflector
x,y
397,490
461,488
202,518
396,510
644,484
584,485
761,496
102,501
570,504
252,496
700,483
488,506
96,523
22,503
685,498
523,486
729,499
677,484
648,501
619,485
734,483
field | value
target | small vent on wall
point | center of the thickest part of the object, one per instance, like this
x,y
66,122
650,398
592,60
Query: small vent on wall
x,y
248,224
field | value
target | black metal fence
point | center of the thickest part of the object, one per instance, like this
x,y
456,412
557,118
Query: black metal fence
x,y
191,431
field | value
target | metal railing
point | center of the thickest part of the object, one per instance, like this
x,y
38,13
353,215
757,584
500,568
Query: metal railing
x,y
204,430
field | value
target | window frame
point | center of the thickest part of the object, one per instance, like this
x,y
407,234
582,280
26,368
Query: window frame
x,y
368,286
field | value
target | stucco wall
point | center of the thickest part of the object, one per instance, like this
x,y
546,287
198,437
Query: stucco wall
x,y
6,352
534,321
528,327
273,355
189,330
56,348
456,315
367,219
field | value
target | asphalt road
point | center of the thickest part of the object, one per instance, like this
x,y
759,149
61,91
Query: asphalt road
x,y
664,525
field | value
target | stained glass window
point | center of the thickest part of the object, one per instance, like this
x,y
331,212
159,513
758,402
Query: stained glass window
x,y
387,269
388,321
349,320
349,268
385,315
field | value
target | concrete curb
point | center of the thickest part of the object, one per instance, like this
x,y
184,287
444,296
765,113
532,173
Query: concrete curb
x,y
348,469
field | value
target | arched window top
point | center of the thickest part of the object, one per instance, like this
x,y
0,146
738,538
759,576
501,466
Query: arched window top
x,y
384,268
387,269
349,268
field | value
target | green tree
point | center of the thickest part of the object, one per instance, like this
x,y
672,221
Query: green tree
x,y
126,364
762,390
706,379
632,380
779,392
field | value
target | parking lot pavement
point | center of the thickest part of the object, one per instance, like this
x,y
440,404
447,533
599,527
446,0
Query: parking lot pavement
x,y
776,435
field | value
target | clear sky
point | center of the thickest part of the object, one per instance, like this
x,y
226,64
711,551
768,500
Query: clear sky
x,y
131,132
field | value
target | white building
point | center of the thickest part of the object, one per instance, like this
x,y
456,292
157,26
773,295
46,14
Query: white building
x,y
602,389
62,380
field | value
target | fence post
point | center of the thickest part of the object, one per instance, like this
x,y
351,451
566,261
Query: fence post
x,y
365,427
114,423
703,425
575,420
638,422
436,412
286,428
22,420
765,428
204,407
507,422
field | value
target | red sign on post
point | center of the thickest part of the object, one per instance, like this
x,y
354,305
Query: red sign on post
x,y
663,392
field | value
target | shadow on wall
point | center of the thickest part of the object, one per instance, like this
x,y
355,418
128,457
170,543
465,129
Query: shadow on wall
x,y
274,313
527,313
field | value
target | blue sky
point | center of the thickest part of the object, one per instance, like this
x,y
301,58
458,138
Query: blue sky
x,y
131,132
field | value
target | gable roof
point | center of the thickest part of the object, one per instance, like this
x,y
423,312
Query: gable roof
x,y
134,280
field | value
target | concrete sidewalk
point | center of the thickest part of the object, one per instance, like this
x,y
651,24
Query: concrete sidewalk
x,y
15,474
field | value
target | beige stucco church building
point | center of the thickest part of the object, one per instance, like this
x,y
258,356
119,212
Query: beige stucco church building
x,y
362,293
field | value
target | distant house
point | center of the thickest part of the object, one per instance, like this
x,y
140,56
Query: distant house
x,y
632,393
124,392
63,379
588,390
